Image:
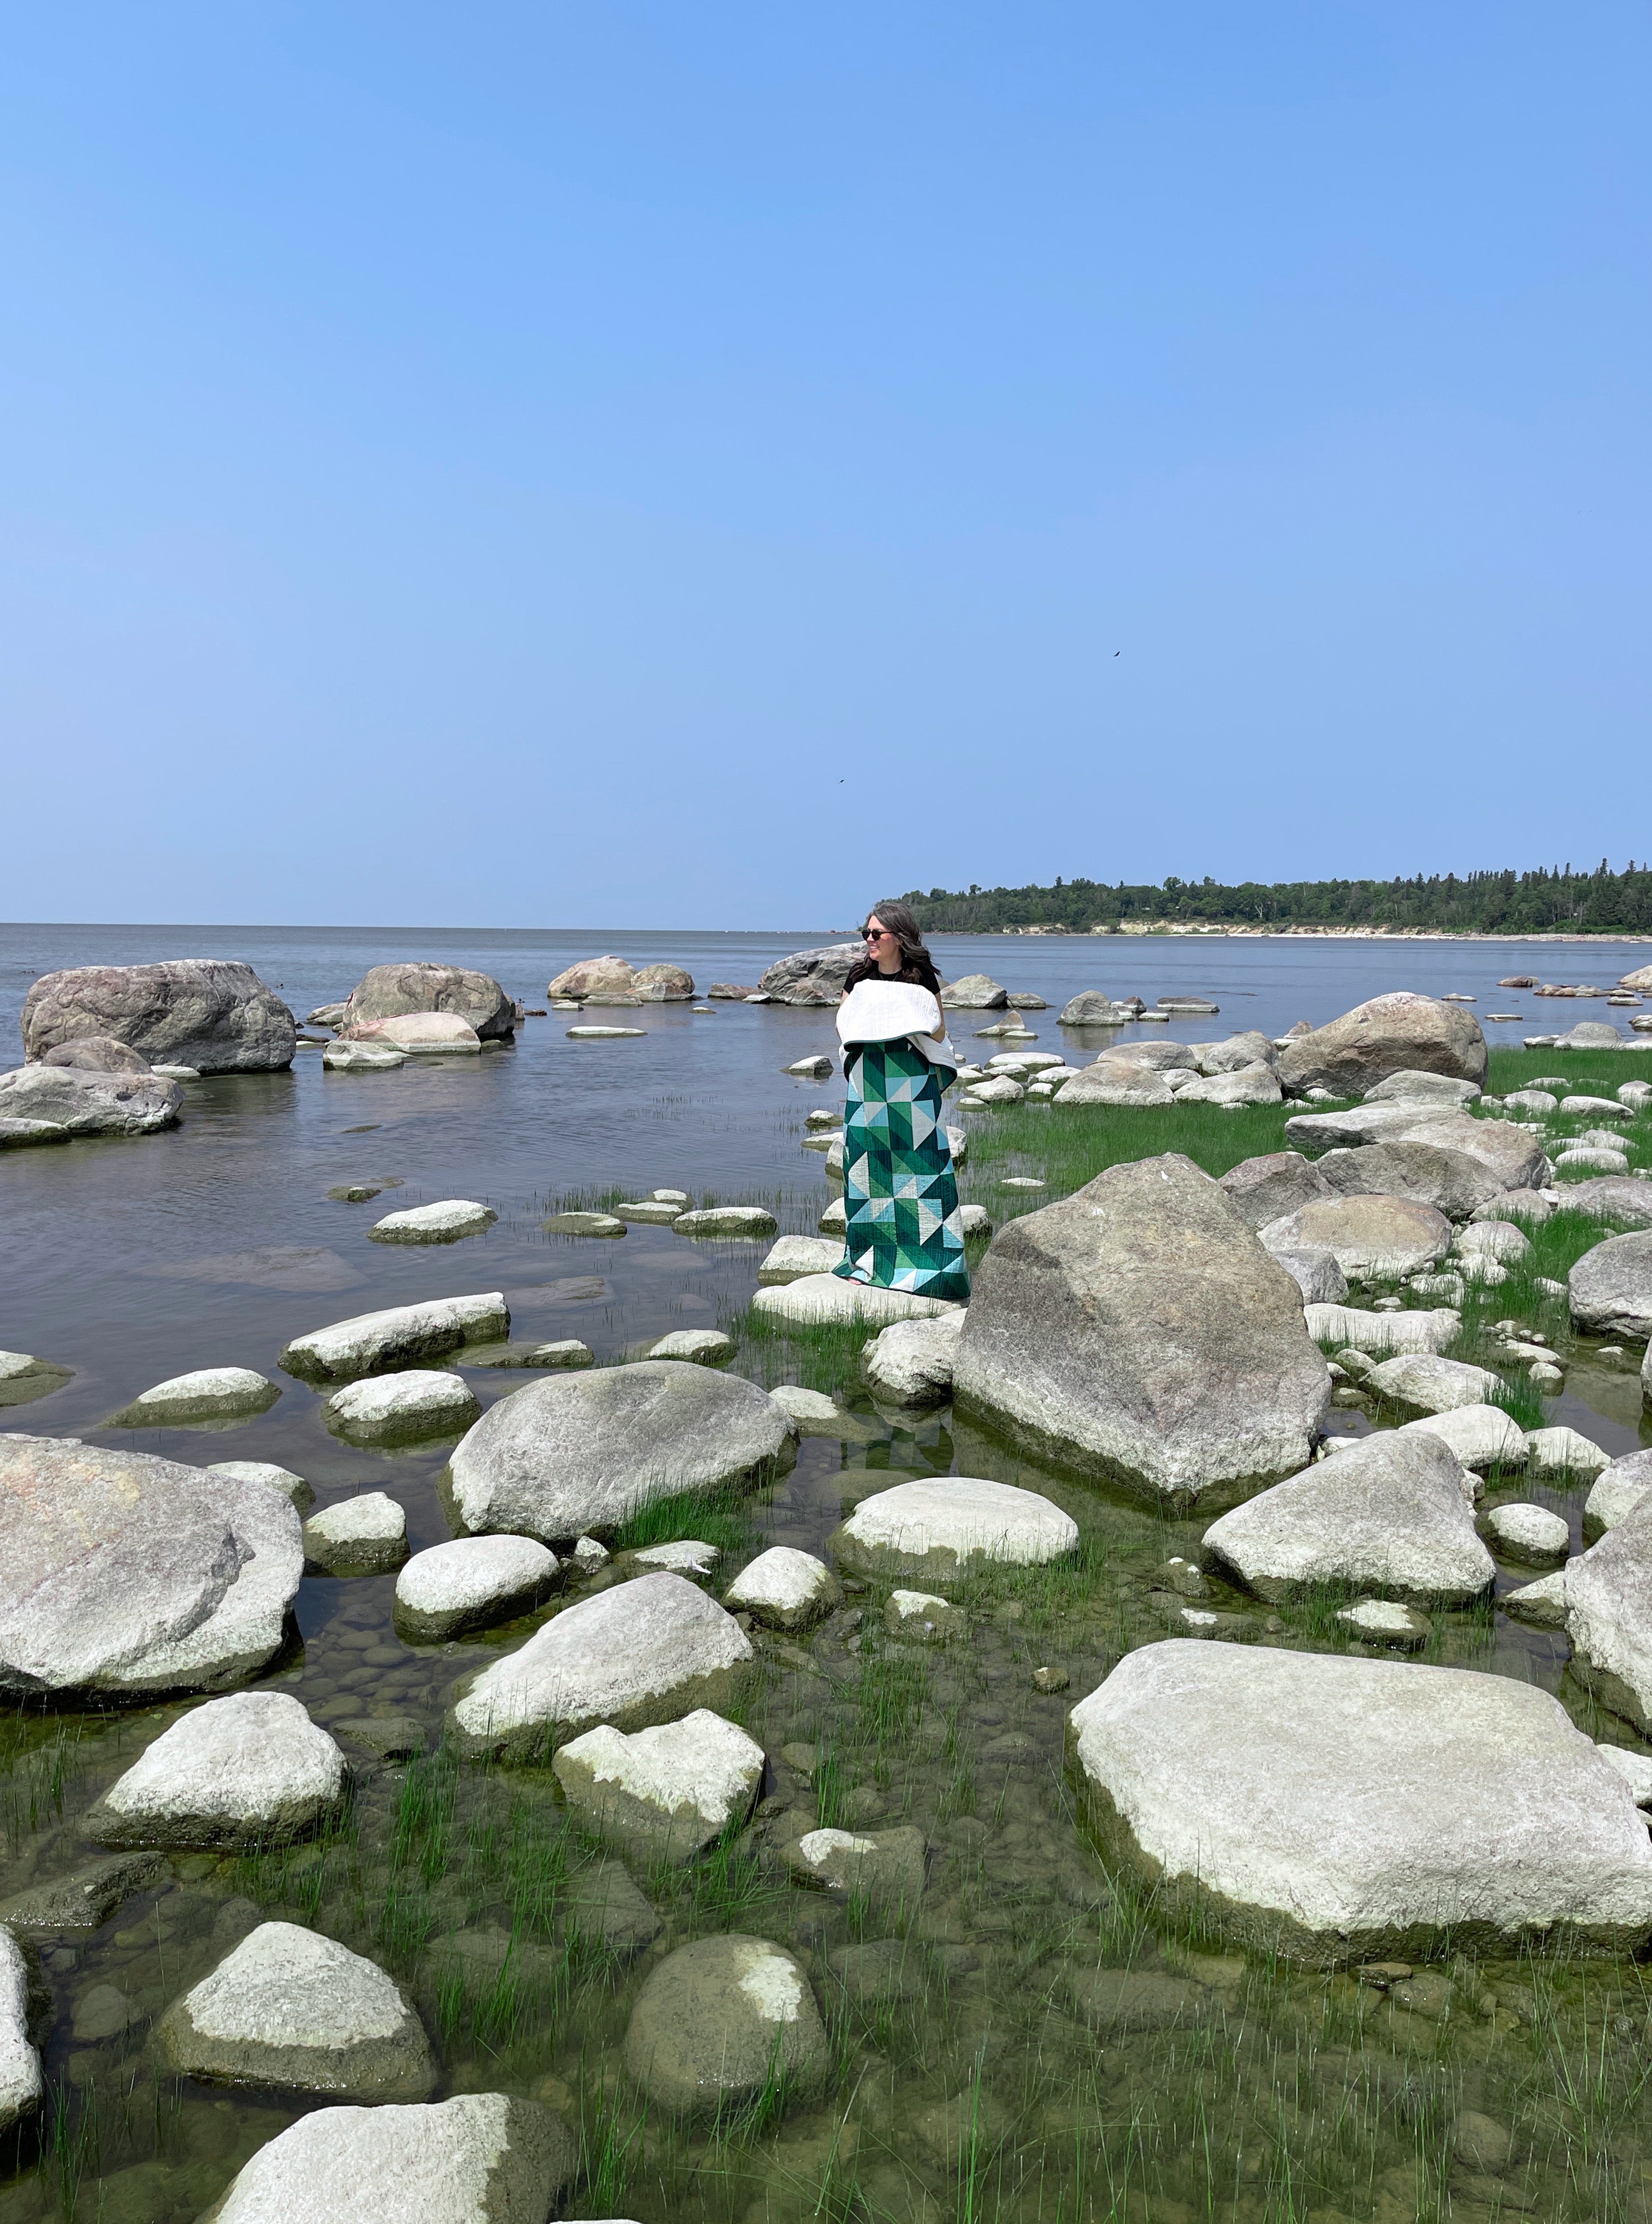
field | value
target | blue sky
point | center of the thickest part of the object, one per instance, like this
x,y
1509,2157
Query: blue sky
x,y
641,464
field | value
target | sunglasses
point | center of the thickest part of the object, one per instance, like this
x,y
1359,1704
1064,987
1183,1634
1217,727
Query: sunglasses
x,y
878,934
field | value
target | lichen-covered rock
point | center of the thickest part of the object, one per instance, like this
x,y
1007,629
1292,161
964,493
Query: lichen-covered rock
x,y
1611,1287
667,1792
1617,1492
471,1582
212,1013
126,1576
1138,1330
1384,1335
1396,1033
401,1335
49,1103
942,1527
248,1770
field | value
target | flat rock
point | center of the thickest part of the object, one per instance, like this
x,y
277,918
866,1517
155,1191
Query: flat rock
x,y
784,1589
471,1582
910,1363
1385,1621
1299,1800
808,1410
125,1575
940,1528
923,1615
882,1866
248,1770
1251,1084
577,1454
815,1299
292,1487
1476,1436
605,1035
560,1351
1426,1384
600,1902
1427,1174
719,2019
1618,1198
1609,1288
213,1014
1369,1237
1565,1451
1100,1325
880,1974
668,1792
291,2009
794,1256
403,1408
363,1536
1410,1087
700,1346
1272,1186
444,1222
1617,1492
50,1103
361,1058
1609,1617
1124,2003
683,1556
644,1652
480,2158
23,1378
417,1034
394,991
584,1223
647,1212
212,1393
1384,1335
392,1737
400,1336
744,1223
85,1899
1392,1035
1106,1083
21,2081
1388,1515
1529,1532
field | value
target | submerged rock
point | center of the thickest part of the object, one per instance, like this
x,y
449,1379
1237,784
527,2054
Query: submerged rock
x,y
942,1527
645,1651
470,1583
722,2019
23,1378
1392,1035
577,1454
401,1336
125,1574
213,1014
1101,1326
1390,1514
745,1223
876,1865
481,2158
212,1393
248,1770
293,2010
1348,1809
668,1791
86,1899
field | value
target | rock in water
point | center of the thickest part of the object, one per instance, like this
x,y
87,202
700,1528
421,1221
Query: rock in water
x,y
470,1583
1395,1034
212,1013
55,1102
247,1770
666,1791
98,1054
363,1536
910,1363
211,1394
576,1454
816,1300
663,984
1424,1384
794,1256
86,1899
291,1486
21,2003
402,1409
593,975
482,2158
722,2019
811,977
942,1527
1611,1287
784,1589
1345,1810
123,1575
390,992
1609,1615
1617,1492
974,992
291,2009
1138,1330
403,1336
1384,1333
1476,1436
644,1652
1269,1187
415,1035
443,1222
1390,1515
1368,1236
881,1865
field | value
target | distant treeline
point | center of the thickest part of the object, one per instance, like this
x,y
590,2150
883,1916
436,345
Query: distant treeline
x,y
1558,901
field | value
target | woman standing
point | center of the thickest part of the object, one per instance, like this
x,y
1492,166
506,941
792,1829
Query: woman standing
x,y
899,1191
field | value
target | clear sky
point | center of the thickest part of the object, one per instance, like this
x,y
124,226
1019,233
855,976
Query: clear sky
x,y
665,465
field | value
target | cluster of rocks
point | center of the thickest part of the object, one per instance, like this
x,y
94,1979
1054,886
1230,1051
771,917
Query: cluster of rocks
x,y
613,981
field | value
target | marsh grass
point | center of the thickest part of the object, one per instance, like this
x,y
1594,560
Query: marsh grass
x,y
824,1356
1070,1146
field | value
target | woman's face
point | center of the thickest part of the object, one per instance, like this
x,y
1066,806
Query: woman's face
x,y
882,946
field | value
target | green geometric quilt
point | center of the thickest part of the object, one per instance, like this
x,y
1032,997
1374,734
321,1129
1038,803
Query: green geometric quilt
x,y
899,1191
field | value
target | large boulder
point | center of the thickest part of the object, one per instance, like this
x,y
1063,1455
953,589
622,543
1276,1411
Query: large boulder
x,y
401,1336
811,977
1092,1008
1111,1082
1451,1181
720,2020
1389,1515
575,1454
1344,1809
125,1576
1269,1187
974,992
1608,1594
49,1103
645,1651
1396,1033
1516,1158
941,1528
1590,1034
666,1792
390,991
1611,1287
1247,1084
663,984
1235,1053
1617,1491
98,1054
593,976
1138,1330
213,1014
291,2009
244,1771
480,2158
1370,1237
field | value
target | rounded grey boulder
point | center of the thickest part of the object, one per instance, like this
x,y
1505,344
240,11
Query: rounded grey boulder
x,y
98,1054
573,1456
213,1014
1425,1173
720,2019
811,977
388,992
1611,1287
1269,1187
1395,1034
61,1101
470,1583
1138,1330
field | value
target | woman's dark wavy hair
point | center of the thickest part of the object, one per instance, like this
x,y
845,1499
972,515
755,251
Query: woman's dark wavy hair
x,y
916,964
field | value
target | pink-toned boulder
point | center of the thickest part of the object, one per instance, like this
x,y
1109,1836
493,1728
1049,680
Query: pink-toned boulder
x,y
417,1032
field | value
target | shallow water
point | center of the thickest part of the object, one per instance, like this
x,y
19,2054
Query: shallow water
x,y
1275,2094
